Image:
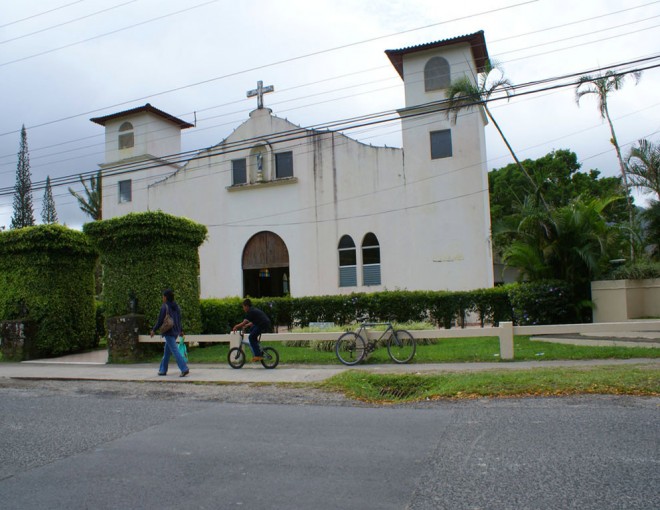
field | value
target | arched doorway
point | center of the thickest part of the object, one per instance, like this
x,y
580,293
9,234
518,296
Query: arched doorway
x,y
265,266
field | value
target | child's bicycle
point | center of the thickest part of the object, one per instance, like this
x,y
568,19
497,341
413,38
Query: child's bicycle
x,y
236,355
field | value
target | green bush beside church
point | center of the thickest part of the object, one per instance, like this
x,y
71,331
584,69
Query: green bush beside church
x,y
145,253
47,284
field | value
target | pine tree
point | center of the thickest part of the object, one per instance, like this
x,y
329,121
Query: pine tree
x,y
48,213
23,212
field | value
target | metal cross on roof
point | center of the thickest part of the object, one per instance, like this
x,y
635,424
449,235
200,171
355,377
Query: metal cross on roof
x,y
259,92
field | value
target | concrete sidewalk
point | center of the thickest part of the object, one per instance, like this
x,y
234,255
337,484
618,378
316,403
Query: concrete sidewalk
x,y
222,373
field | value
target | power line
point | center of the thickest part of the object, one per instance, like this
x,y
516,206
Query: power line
x,y
577,22
300,132
52,50
74,150
236,73
41,13
242,222
383,36
77,149
67,22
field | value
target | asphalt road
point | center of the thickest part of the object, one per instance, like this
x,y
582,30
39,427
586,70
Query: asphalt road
x,y
111,445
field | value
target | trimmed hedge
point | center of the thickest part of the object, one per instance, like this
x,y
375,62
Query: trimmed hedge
x,y
47,277
527,303
142,255
547,302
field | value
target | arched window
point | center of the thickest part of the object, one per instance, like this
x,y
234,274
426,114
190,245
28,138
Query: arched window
x,y
370,260
436,74
126,137
347,262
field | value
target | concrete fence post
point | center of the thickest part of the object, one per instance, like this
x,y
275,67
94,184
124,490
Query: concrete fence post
x,y
505,332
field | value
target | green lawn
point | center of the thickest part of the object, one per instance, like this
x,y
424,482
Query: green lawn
x,y
451,350
388,388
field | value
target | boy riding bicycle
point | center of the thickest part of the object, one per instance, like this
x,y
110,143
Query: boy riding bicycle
x,y
258,322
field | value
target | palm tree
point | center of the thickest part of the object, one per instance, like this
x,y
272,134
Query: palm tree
x,y
93,204
651,217
644,166
601,85
573,242
463,94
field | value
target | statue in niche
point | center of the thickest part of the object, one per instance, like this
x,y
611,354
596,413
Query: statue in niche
x,y
260,167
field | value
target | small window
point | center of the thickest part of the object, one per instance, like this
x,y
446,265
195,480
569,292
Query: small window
x,y
125,191
441,144
436,74
126,137
238,171
347,262
370,260
283,165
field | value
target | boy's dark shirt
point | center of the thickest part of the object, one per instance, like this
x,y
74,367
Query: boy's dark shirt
x,y
258,318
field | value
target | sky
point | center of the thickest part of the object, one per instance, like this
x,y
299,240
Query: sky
x,y
63,62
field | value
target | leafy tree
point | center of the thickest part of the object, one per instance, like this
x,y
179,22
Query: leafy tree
x,y
92,205
23,212
560,180
48,213
651,219
644,167
601,85
573,242
463,94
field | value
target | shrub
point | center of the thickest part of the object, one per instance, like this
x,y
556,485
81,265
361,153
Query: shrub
x,y
492,305
220,315
526,303
143,254
47,277
543,302
444,308
639,270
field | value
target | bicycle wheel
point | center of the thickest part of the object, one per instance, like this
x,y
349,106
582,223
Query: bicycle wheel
x,y
401,346
236,357
350,348
270,357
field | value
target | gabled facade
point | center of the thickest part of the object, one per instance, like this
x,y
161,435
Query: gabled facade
x,y
305,212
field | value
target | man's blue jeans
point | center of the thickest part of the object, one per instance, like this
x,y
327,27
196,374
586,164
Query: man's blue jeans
x,y
255,331
171,348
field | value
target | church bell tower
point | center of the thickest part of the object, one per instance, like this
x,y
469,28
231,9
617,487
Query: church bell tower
x,y
446,162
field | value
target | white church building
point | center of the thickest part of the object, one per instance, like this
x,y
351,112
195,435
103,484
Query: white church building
x,y
304,212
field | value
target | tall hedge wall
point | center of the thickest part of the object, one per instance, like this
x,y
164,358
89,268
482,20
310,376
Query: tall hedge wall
x,y
145,253
47,277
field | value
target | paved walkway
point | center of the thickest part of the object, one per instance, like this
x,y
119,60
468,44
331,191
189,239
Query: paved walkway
x,y
91,366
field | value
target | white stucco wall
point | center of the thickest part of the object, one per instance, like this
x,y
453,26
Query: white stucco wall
x,y
431,217
152,135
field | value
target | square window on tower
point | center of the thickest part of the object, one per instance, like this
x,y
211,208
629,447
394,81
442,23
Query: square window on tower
x,y
441,144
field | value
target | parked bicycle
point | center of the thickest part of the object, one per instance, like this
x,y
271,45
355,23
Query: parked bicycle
x,y
236,355
351,347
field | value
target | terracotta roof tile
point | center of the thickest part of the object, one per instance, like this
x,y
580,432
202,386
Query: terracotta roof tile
x,y
146,108
476,40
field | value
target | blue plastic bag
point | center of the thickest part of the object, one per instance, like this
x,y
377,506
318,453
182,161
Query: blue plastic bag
x,y
182,347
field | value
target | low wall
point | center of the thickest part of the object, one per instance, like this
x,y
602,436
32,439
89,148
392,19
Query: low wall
x,y
622,300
